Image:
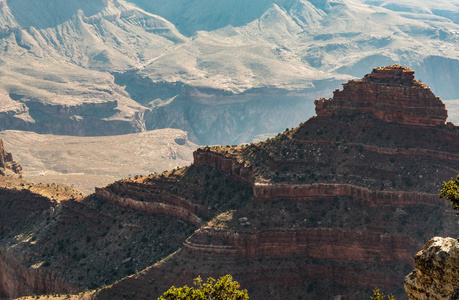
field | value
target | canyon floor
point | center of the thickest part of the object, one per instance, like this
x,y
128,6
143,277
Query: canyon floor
x,y
87,162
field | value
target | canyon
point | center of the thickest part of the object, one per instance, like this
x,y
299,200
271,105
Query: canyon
x,y
97,68
334,204
331,208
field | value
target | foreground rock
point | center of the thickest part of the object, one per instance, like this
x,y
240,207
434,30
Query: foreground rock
x,y
437,271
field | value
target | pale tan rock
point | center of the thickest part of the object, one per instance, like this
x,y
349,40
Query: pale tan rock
x,y
437,270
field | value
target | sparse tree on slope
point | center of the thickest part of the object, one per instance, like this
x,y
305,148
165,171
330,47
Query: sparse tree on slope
x,y
450,191
377,295
222,289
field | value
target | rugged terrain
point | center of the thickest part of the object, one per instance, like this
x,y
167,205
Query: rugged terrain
x,y
333,207
335,203
110,67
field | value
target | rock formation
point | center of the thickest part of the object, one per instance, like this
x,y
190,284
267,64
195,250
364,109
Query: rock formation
x,y
338,205
8,167
390,94
332,208
436,274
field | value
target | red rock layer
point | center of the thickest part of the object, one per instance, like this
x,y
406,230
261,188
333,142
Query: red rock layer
x,y
178,211
390,94
311,192
324,243
227,165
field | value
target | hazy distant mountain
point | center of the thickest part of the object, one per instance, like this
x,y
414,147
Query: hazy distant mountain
x,y
224,71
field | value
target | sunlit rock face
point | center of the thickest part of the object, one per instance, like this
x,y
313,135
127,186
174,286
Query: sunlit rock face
x,y
224,72
390,94
437,271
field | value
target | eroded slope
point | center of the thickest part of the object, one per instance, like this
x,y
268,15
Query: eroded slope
x,y
333,207
339,205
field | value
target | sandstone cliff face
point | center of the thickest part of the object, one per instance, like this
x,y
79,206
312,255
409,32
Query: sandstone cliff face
x,y
390,94
338,205
227,165
436,274
181,211
23,272
8,167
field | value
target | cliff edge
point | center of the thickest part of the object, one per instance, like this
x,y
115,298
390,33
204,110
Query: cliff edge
x,y
327,210
8,167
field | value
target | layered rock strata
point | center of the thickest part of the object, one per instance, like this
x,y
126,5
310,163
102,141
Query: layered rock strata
x,y
16,280
18,276
65,247
329,209
390,94
338,205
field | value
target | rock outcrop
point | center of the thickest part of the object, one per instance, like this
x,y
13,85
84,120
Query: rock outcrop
x,y
338,205
329,209
8,167
437,273
390,94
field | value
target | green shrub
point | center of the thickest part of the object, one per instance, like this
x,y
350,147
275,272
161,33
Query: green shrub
x,y
222,289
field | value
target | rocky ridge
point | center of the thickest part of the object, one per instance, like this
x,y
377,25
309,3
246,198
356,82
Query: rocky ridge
x,y
331,208
109,67
75,243
63,242
334,203
51,237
